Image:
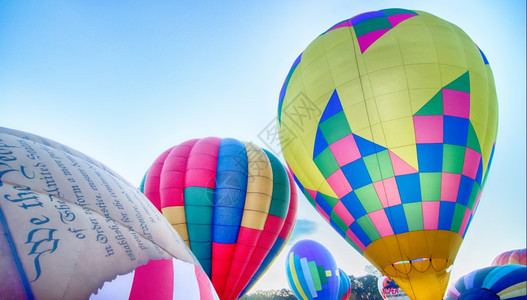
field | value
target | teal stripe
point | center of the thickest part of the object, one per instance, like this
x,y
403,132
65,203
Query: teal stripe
x,y
281,188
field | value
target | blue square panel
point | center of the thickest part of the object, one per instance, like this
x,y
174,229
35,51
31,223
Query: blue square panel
x,y
455,130
357,174
430,157
409,187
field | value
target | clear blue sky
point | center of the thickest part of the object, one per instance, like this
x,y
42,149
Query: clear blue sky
x,y
123,81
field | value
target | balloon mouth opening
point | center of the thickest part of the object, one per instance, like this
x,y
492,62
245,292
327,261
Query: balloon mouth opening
x,y
405,267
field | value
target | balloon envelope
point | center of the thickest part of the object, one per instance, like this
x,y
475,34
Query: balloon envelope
x,y
69,223
491,283
344,286
312,272
518,256
388,121
230,201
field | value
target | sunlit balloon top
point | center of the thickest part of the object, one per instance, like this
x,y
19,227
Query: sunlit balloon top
x,y
518,256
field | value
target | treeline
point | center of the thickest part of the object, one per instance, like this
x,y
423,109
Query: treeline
x,y
362,288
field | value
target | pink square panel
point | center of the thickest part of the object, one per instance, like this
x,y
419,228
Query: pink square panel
x,y
428,129
456,103
345,150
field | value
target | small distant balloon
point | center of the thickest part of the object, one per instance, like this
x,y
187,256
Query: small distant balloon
x,y
491,283
312,272
390,290
518,256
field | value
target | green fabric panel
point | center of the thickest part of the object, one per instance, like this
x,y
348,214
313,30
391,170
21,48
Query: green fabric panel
x,y
322,274
338,221
430,186
414,216
281,188
385,164
352,243
330,200
370,25
459,213
472,139
367,225
309,198
368,198
314,274
199,232
198,214
326,162
453,158
373,167
473,196
196,195
462,83
434,106
335,128
201,250
397,11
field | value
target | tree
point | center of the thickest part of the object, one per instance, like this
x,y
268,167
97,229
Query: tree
x,y
283,294
364,288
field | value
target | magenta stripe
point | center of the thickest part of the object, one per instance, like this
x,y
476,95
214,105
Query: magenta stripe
x,y
202,162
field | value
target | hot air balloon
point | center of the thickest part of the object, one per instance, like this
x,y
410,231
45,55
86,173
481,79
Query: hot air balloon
x,y
388,121
344,286
160,279
389,289
491,283
69,223
312,272
230,201
518,256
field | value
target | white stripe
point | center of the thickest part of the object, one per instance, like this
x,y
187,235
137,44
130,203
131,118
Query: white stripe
x,y
185,283
118,289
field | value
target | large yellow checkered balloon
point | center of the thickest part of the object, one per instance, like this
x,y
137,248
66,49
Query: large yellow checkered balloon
x,y
388,121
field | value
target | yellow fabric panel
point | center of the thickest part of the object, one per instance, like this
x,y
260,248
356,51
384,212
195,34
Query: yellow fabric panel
x,y
254,219
353,92
378,134
423,76
450,73
307,173
399,132
175,215
317,78
356,116
516,290
385,56
440,245
343,68
387,81
417,44
394,106
261,184
373,112
258,202
419,97
259,188
408,153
